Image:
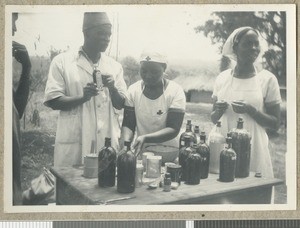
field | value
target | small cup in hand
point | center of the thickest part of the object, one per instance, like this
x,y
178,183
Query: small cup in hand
x,y
237,107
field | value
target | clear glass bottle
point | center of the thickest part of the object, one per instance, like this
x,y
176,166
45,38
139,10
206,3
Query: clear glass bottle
x,y
126,168
216,145
107,165
241,144
227,162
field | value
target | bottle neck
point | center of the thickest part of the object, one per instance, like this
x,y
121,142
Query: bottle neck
x,y
188,128
202,139
127,146
107,143
229,145
240,125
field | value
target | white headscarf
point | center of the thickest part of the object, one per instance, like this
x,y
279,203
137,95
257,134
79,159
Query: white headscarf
x,y
233,39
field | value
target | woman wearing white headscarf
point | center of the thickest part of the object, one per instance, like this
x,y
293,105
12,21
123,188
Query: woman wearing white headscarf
x,y
256,94
154,106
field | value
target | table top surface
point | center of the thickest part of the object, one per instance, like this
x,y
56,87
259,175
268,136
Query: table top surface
x,y
207,188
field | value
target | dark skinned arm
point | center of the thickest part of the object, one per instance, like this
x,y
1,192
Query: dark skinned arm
x,y
20,96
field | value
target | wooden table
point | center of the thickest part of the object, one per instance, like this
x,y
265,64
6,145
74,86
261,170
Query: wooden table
x,y
73,189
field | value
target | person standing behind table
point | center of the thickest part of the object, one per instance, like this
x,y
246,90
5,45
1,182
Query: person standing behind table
x,y
256,93
87,113
155,106
20,97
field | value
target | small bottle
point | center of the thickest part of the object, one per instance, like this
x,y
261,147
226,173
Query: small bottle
x,y
167,182
227,162
204,151
107,165
188,132
216,145
126,168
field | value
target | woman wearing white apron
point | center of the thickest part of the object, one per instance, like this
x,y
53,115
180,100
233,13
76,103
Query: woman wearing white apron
x,y
256,93
154,106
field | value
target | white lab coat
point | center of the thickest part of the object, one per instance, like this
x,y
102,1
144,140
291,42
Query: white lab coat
x,y
76,129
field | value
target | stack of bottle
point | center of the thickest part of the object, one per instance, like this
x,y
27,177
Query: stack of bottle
x,y
229,157
194,155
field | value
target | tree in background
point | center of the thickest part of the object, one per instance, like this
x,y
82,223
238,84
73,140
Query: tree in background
x,y
131,70
271,25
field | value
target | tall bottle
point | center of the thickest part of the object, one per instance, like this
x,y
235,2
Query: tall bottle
x,y
107,165
197,134
188,132
204,151
216,145
193,167
183,155
241,143
227,162
126,164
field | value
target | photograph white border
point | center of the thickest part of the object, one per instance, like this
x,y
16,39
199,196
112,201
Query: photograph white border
x,y
291,158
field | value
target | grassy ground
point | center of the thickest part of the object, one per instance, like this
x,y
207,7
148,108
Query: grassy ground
x,y
38,145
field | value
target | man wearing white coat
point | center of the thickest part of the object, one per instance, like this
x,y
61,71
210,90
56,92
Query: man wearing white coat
x,y
88,88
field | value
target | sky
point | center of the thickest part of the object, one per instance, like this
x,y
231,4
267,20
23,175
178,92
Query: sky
x,y
169,30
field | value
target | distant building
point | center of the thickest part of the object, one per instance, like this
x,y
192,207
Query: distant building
x,y
198,89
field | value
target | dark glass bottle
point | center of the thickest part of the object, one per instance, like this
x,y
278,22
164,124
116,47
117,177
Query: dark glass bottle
x,y
193,167
188,132
241,144
126,167
203,150
197,134
183,155
107,165
216,145
227,162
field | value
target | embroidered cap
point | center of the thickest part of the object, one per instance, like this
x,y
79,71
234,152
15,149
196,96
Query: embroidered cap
x,y
94,19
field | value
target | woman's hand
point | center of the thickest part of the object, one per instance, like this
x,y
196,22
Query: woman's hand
x,y
244,107
221,106
138,144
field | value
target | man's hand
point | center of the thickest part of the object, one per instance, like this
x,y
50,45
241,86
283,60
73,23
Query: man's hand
x,y
89,91
21,55
108,81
